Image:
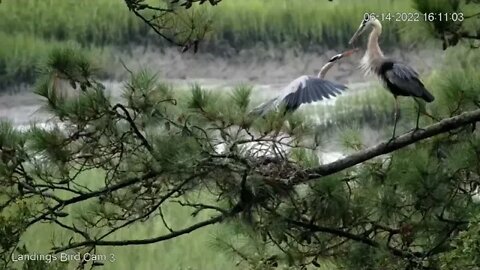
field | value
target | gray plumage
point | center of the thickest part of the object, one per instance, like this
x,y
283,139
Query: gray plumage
x,y
303,90
399,79
403,80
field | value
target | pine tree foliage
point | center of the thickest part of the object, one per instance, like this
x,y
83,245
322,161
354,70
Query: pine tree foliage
x,y
414,208
453,31
406,209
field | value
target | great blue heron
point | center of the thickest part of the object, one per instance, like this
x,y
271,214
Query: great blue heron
x,y
398,78
305,89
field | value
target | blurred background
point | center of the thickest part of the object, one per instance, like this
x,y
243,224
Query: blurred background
x,y
261,43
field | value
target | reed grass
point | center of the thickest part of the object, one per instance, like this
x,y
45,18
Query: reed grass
x,y
303,22
236,23
20,56
86,22
30,28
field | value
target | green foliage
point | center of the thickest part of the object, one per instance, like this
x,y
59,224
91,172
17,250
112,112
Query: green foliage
x,y
241,97
103,22
290,22
101,26
449,30
160,163
466,249
459,83
190,252
236,23
108,23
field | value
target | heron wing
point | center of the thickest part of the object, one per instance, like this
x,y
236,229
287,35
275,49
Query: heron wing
x,y
307,89
406,80
265,107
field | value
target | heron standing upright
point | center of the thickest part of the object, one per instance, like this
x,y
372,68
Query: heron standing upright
x,y
398,78
305,89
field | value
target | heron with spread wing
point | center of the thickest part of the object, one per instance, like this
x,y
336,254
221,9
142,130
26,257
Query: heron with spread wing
x,y
305,89
400,79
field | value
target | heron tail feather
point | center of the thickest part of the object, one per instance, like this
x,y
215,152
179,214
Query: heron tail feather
x,y
427,96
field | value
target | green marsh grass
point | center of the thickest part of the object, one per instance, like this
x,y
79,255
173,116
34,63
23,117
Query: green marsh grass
x,y
86,22
30,28
236,23
299,22
21,54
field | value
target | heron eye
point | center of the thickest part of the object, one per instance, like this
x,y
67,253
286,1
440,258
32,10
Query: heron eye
x,y
366,19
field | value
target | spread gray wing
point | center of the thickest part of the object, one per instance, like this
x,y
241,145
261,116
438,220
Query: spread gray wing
x,y
311,89
406,81
265,107
304,89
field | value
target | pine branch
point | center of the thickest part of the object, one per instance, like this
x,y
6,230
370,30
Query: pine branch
x,y
174,234
133,126
168,195
362,239
446,125
93,194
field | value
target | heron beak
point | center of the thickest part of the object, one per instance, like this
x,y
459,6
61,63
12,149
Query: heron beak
x,y
360,31
349,52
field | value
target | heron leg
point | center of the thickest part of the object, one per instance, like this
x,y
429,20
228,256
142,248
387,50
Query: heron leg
x,y
395,118
418,118
417,128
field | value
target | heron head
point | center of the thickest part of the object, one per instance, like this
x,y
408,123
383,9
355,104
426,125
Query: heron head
x,y
367,22
341,55
335,58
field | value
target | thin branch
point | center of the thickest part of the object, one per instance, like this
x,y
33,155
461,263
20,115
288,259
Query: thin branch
x,y
174,234
199,207
146,21
469,36
72,228
134,127
354,237
153,209
217,219
93,194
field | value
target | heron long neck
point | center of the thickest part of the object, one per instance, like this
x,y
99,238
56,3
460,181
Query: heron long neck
x,y
373,54
325,69
373,48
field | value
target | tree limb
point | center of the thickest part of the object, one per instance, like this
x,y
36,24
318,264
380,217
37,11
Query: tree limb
x,y
404,140
171,235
